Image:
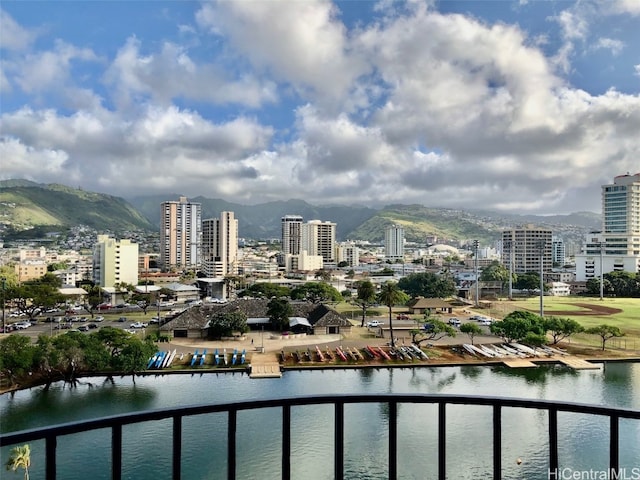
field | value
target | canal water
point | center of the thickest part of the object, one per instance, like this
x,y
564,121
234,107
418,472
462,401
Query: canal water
x,y
147,448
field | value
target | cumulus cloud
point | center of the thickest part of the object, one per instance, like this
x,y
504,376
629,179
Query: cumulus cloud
x,y
14,36
413,106
170,73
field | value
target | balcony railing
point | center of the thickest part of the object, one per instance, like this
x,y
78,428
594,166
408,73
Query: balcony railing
x,y
115,423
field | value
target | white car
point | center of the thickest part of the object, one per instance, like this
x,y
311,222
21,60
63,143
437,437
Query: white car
x,y
138,325
454,321
22,325
486,321
99,318
374,323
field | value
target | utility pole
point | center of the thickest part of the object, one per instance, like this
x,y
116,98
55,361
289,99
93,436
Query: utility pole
x,y
475,258
4,286
542,245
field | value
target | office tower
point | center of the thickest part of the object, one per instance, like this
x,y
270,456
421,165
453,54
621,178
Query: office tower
x,y
558,252
526,246
291,234
220,245
617,246
319,238
180,234
115,262
394,242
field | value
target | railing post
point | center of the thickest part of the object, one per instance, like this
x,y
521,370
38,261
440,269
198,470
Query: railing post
x,y
177,447
442,439
116,452
231,444
497,442
338,455
393,440
50,459
286,442
553,442
614,444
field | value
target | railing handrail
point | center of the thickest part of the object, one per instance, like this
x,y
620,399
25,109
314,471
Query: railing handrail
x,y
116,422
12,438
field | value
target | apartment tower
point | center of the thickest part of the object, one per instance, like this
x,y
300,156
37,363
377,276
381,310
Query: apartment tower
x,y
115,262
617,246
220,245
291,234
526,247
394,242
180,234
319,238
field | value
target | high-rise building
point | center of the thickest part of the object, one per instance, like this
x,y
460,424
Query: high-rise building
x,y
394,242
617,246
220,245
526,247
319,238
558,252
348,252
180,234
115,262
291,234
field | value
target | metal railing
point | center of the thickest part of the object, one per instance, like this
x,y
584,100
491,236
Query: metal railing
x,y
115,423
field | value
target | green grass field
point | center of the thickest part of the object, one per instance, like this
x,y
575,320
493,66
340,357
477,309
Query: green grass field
x,y
628,320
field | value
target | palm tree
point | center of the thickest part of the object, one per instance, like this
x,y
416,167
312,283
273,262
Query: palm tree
x,y
391,295
20,457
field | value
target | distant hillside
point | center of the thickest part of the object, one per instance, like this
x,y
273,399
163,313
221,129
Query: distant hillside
x,y
24,205
263,220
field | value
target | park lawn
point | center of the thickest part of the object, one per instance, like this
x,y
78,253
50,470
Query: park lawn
x,y
628,320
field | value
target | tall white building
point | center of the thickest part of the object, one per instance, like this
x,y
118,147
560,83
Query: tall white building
x,y
319,238
348,252
220,245
180,234
617,246
115,261
291,234
526,247
394,242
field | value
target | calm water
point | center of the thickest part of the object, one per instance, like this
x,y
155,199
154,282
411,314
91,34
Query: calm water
x,y
147,448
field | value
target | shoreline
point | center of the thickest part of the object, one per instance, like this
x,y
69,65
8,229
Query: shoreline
x,y
366,364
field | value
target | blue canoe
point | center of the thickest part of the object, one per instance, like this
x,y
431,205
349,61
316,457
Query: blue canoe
x,y
202,358
194,358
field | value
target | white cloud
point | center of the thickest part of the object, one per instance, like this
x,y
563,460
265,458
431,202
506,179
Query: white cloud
x,y
301,43
14,36
615,46
171,73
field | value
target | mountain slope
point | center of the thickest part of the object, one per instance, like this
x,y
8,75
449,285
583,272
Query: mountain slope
x,y
24,207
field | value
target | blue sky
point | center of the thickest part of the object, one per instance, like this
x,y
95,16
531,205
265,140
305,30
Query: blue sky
x,y
526,106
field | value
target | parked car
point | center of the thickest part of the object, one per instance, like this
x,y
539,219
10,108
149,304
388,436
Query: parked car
x,y
402,316
454,321
486,321
21,325
99,318
122,319
154,320
374,323
63,326
83,328
138,325
91,326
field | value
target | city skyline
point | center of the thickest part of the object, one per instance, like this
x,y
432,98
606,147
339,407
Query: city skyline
x,y
518,106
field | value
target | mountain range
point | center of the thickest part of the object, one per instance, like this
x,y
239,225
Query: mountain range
x,y
26,205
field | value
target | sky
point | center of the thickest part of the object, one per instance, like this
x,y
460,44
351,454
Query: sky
x,y
521,107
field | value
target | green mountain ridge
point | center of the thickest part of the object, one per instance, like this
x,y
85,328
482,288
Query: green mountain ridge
x,y
25,204
55,206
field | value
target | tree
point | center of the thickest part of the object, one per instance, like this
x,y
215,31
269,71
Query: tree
x,y
20,457
35,295
495,272
432,330
323,275
515,326
527,281
265,290
316,292
225,324
428,285
561,328
471,329
606,332
279,311
391,295
365,297
16,356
